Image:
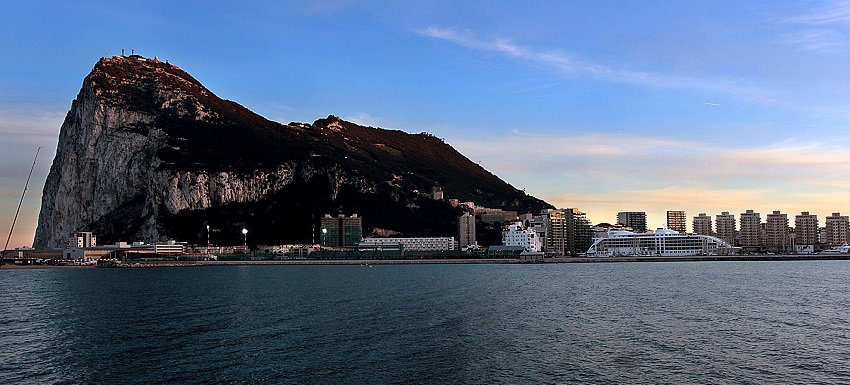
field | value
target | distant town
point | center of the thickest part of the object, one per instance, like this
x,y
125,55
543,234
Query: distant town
x,y
551,233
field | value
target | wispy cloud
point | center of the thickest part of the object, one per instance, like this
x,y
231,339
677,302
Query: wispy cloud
x,y
559,60
835,12
23,129
365,119
817,40
29,126
573,65
602,174
605,173
668,157
824,28
603,207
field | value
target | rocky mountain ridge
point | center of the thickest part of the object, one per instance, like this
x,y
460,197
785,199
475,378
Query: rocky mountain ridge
x,y
147,153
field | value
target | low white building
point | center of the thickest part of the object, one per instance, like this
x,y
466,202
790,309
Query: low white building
x,y
410,244
518,234
170,248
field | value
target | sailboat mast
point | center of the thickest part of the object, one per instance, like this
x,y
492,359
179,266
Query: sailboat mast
x,y
22,201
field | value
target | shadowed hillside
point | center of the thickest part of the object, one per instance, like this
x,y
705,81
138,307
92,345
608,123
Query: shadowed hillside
x,y
147,153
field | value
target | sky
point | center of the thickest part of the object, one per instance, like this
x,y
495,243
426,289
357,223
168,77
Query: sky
x,y
604,106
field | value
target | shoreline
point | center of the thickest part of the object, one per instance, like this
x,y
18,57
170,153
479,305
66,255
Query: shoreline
x,y
465,261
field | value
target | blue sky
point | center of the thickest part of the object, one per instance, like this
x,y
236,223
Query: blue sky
x,y
605,106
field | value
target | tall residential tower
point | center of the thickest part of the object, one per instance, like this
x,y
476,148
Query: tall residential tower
x,y
341,231
750,235
726,227
777,232
837,229
806,229
702,225
634,219
567,232
677,221
466,230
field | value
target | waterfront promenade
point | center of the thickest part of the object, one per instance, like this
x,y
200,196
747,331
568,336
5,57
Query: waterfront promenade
x,y
373,262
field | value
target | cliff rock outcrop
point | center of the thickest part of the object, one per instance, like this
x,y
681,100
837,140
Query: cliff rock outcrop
x,y
146,153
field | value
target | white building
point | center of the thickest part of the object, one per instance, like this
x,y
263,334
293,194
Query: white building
x,y
518,234
410,244
170,248
662,243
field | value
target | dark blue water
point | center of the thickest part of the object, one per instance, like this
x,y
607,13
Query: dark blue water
x,y
725,322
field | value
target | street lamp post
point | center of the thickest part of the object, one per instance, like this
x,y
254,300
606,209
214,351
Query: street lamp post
x,y
208,241
245,233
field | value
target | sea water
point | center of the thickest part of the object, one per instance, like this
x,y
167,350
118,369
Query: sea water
x,y
701,322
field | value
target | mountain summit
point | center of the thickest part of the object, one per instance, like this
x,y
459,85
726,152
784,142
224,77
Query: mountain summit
x,y
147,153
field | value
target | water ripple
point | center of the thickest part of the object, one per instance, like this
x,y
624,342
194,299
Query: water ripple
x,y
678,323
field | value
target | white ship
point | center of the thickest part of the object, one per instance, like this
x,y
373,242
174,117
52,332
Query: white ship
x,y
661,243
845,249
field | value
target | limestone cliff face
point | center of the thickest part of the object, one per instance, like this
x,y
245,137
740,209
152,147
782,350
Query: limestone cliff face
x,y
100,164
146,153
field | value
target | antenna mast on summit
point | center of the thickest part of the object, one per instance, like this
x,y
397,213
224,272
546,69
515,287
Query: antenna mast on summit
x,y
22,200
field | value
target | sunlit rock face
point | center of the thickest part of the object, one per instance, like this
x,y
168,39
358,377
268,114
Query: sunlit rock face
x,y
147,153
